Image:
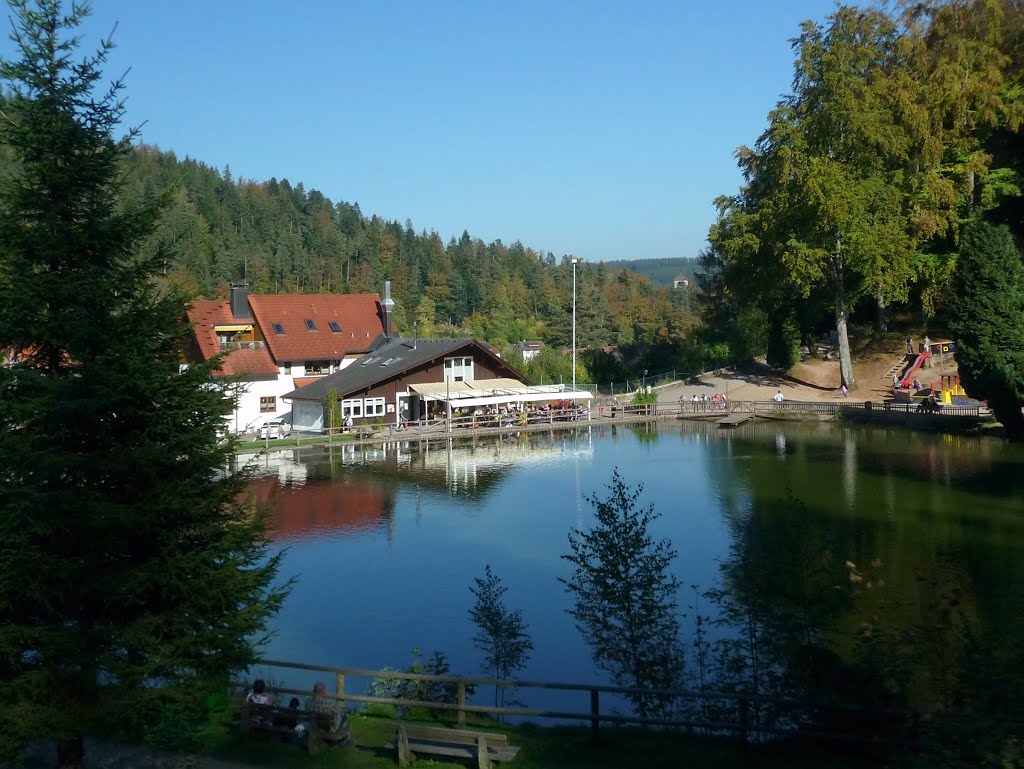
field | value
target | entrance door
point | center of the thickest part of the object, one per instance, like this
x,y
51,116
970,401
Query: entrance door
x,y
402,413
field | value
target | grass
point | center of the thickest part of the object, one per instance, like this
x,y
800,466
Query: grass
x,y
559,747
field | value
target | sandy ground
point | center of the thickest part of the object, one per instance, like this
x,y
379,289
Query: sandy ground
x,y
813,380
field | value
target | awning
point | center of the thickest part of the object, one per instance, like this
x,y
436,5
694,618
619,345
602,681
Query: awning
x,y
243,327
493,391
493,400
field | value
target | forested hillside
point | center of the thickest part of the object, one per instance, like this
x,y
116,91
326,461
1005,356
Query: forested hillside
x,y
660,271
283,238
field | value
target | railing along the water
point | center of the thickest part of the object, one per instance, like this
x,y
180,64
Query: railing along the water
x,y
746,728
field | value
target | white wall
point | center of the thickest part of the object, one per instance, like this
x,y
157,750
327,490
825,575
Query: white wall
x,y
248,416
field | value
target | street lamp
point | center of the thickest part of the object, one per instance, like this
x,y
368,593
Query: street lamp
x,y
574,261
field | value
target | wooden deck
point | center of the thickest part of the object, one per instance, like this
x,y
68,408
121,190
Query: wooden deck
x,y
735,420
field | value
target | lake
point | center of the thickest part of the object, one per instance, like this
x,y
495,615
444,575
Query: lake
x,y
385,541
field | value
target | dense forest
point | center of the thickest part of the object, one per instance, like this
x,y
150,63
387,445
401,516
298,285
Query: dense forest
x,y
901,129
216,229
660,271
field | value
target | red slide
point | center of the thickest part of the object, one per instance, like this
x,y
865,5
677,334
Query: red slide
x,y
906,379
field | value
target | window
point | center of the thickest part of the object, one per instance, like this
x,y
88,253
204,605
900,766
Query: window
x,y
278,328
374,407
310,325
287,369
458,369
333,325
268,404
353,407
318,367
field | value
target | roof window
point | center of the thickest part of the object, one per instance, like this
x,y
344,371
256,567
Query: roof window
x,y
278,328
334,326
310,325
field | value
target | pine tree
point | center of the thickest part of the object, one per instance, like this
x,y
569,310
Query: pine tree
x,y
132,577
987,306
625,597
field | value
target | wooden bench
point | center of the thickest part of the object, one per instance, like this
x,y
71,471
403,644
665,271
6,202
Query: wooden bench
x,y
276,719
485,747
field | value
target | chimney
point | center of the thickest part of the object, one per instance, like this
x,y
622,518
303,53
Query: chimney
x,y
240,301
388,305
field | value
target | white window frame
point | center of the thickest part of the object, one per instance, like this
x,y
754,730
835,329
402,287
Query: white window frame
x,y
458,369
353,406
373,407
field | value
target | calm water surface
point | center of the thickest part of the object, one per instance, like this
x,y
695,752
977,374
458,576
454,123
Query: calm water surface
x,y
385,542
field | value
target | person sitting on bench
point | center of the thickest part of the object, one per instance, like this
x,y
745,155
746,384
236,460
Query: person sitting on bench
x,y
327,707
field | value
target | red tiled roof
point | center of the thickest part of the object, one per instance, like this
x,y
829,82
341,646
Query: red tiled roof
x,y
204,316
359,316
302,381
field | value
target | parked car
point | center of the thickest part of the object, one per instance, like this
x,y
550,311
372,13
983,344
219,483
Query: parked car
x,y
278,427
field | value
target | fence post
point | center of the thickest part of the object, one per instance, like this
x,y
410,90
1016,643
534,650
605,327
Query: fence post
x,y
462,704
595,711
340,689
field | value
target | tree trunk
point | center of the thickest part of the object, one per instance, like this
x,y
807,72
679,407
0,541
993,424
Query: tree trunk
x,y
70,753
845,359
880,323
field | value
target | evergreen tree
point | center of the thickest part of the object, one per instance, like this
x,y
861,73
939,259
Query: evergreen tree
x,y
625,597
987,321
503,636
132,579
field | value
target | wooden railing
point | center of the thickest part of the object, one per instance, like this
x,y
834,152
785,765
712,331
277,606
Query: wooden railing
x,y
747,727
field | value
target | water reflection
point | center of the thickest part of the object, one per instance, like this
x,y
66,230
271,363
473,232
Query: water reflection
x,y
873,563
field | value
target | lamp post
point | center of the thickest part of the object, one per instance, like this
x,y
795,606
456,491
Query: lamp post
x,y
574,261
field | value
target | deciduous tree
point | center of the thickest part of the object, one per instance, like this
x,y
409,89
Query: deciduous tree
x,y
503,635
625,596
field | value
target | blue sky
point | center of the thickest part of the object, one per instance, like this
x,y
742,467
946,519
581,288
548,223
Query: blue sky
x,y
595,128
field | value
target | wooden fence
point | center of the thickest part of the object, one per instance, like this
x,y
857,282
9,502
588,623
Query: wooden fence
x,y
747,726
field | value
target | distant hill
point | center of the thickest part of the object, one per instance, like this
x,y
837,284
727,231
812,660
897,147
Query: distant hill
x,y
660,271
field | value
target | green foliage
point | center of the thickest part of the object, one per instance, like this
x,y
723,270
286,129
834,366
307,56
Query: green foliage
x,y
988,321
624,597
642,397
502,635
661,272
333,408
783,344
421,691
551,367
133,575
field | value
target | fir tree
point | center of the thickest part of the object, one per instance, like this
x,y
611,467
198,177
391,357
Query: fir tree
x,y
988,321
132,579
625,597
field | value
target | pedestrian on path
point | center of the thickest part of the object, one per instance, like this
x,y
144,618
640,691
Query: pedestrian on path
x,y
910,345
779,397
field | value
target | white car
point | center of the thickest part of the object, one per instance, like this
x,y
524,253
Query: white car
x,y
278,427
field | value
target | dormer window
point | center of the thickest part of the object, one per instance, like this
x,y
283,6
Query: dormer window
x,y
278,328
310,325
334,326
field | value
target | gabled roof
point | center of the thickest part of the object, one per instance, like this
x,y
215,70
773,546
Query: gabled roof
x,y
253,361
358,316
388,361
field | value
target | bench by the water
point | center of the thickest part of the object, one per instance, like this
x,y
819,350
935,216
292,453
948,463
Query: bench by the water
x,y
735,420
485,747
